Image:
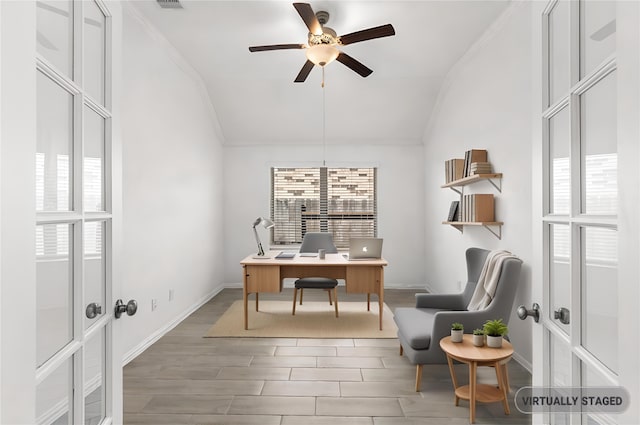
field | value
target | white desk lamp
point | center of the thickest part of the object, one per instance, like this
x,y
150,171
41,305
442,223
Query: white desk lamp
x,y
267,224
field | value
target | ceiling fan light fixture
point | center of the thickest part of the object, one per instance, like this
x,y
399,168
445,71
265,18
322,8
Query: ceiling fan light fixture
x,y
322,54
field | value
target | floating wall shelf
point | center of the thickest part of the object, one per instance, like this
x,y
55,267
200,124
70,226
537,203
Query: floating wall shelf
x,y
495,179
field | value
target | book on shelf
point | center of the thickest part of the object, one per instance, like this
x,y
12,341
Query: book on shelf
x,y
478,207
471,156
453,211
480,168
454,169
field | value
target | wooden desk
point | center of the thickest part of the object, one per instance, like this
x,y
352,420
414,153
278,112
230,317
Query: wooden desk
x,y
266,275
466,352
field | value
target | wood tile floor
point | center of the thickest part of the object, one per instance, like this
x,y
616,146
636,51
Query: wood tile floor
x,y
187,379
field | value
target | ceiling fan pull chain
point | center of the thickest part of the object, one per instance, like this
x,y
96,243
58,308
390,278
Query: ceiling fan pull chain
x,y
324,124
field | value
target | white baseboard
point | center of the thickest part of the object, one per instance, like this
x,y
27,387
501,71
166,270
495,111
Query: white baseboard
x,y
289,284
522,361
146,343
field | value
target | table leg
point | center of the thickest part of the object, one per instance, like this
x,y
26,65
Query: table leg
x,y
454,380
472,391
502,386
256,301
505,372
368,301
245,299
381,295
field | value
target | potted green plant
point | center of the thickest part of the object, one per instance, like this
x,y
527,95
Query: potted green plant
x,y
457,331
478,337
495,330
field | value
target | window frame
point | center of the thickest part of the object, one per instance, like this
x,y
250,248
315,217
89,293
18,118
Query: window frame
x,y
321,189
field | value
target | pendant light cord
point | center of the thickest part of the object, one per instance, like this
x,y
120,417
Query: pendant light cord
x,y
324,124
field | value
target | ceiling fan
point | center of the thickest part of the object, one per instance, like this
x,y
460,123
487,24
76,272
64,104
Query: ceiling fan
x,y
323,41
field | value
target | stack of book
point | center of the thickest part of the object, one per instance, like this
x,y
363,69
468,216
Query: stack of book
x,y
471,156
477,207
453,169
480,168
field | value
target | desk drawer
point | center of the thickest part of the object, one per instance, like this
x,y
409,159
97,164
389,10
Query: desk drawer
x,y
364,280
263,278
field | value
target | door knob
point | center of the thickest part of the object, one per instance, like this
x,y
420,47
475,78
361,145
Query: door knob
x,y
130,308
523,313
93,310
562,314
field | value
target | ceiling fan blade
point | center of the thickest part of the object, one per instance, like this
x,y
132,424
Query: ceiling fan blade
x,y
276,47
304,72
309,17
355,65
368,34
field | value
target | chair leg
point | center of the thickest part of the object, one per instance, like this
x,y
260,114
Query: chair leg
x,y
418,377
401,350
335,295
329,293
301,293
295,295
368,301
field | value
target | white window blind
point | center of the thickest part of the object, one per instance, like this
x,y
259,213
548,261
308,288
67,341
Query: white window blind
x,y
341,201
600,197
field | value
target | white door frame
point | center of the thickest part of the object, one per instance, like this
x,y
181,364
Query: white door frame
x,y
17,212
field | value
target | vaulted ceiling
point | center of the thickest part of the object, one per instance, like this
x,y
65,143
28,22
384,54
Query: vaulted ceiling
x,y
255,98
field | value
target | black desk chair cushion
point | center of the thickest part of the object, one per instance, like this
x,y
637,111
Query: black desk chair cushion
x,y
312,242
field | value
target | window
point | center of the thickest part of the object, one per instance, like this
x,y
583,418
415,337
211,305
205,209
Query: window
x,y
341,201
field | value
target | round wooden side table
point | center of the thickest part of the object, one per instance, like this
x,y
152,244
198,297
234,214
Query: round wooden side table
x,y
466,352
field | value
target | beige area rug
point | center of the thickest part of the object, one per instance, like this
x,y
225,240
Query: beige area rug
x,y
313,319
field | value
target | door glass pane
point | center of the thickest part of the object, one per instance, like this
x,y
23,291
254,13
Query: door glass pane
x,y
600,294
54,33
559,167
93,161
559,267
559,58
94,51
54,289
54,146
94,268
599,148
591,378
597,33
53,397
94,395
559,372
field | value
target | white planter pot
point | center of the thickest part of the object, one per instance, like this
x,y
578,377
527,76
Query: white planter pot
x,y
456,336
478,340
494,341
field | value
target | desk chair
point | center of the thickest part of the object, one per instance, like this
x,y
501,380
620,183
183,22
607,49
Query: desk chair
x,y
312,242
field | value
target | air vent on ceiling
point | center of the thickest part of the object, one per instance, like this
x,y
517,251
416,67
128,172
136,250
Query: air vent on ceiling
x,y
170,4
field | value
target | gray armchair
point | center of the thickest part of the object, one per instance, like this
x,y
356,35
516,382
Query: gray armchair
x,y
421,328
311,243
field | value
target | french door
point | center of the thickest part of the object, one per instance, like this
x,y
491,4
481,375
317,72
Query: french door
x,y
75,365
579,256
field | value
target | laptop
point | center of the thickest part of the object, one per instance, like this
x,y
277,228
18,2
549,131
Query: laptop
x,y
365,249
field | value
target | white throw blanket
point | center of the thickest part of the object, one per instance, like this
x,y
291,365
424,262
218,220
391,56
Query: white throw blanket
x,y
488,280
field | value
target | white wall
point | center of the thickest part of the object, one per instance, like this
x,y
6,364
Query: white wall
x,y
485,104
172,179
400,200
